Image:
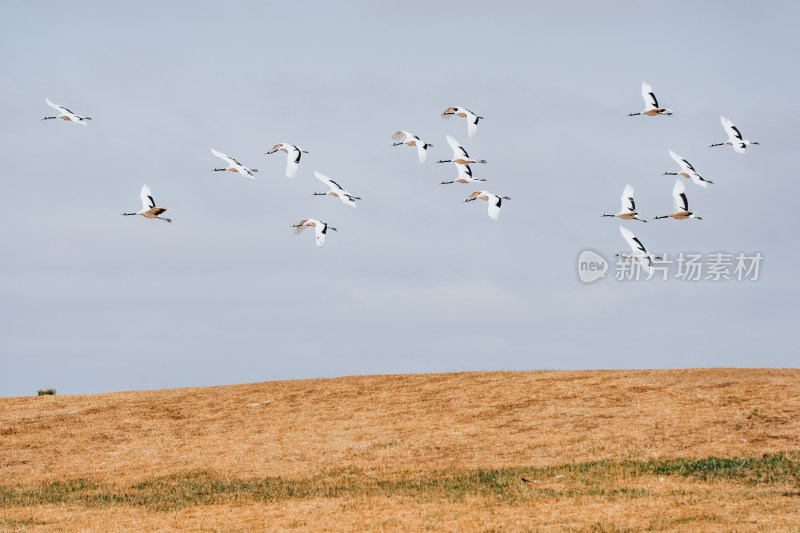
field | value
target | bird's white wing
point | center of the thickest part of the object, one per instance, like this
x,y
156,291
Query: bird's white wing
x,y
696,179
291,167
647,264
458,150
636,245
679,201
650,101
422,151
464,171
472,126
329,182
324,179
147,198
292,162
223,157
685,165
494,206
320,235
55,106
627,200
733,132
346,198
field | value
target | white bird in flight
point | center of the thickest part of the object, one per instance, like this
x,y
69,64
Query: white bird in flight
x,y
404,137
650,103
734,136
234,165
336,190
638,253
472,118
493,200
464,175
293,154
680,204
628,209
320,228
460,156
66,114
687,171
149,209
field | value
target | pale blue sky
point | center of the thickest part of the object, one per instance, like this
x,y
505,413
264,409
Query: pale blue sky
x,y
414,280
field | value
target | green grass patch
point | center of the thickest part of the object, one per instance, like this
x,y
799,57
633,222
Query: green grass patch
x,y
19,524
590,479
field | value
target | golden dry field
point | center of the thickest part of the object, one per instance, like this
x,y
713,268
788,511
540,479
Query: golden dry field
x,y
598,451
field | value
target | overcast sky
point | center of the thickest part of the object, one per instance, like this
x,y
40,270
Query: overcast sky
x,y
414,280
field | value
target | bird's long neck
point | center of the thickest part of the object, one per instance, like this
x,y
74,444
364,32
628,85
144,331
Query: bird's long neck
x,y
633,114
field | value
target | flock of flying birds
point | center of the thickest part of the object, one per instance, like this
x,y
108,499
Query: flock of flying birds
x,y
680,203
462,162
460,159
